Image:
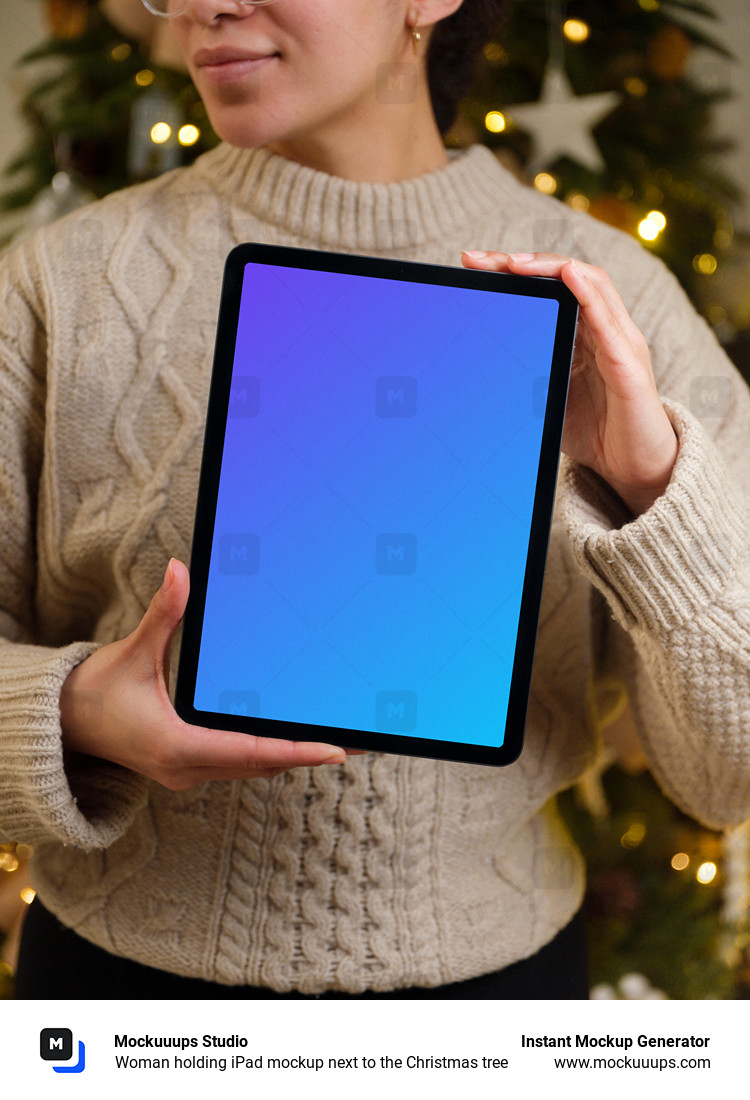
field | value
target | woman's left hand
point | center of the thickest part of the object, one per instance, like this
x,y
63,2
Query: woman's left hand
x,y
615,422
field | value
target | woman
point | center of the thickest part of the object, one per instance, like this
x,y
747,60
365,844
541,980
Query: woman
x,y
184,862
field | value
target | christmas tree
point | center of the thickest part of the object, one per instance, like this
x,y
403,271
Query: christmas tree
x,y
598,104
624,126
102,113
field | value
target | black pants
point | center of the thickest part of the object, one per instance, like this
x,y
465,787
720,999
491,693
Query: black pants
x,y
57,964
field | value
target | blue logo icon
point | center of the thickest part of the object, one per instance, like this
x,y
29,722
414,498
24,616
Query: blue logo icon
x,y
56,1045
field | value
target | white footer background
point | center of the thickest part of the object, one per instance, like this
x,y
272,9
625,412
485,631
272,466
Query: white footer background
x,y
372,1031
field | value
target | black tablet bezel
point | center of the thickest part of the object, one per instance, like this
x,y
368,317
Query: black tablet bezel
x,y
213,445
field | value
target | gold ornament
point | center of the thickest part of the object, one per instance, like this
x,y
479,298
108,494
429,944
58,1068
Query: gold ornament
x,y
668,53
67,18
614,211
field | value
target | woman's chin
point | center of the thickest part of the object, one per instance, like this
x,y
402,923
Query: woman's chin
x,y
242,131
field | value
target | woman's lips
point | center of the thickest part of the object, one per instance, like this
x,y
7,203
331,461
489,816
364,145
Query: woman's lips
x,y
227,72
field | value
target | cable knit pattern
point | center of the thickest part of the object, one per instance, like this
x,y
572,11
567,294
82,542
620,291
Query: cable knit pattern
x,y
387,871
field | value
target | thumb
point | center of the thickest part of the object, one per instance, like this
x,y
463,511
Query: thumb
x,y
164,614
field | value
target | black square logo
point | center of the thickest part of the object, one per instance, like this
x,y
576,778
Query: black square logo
x,y
56,1044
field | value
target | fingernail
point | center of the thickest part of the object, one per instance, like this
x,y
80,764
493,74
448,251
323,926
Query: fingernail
x,y
339,758
474,253
168,576
522,257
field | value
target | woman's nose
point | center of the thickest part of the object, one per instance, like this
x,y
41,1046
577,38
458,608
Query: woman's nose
x,y
206,11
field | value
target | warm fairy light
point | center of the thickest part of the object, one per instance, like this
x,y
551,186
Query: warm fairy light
x,y
546,183
576,30
680,860
8,862
706,873
705,263
723,238
160,133
495,53
652,225
28,895
144,78
577,200
635,86
716,314
495,122
188,134
634,835
649,5
121,52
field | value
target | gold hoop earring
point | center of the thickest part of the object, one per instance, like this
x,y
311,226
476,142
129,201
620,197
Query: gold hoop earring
x,y
415,36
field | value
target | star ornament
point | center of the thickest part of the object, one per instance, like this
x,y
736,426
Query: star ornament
x,y
561,122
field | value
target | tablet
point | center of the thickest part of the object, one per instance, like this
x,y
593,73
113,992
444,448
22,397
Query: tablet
x,y
375,500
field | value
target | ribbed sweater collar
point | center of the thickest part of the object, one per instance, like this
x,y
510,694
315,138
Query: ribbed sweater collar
x,y
334,212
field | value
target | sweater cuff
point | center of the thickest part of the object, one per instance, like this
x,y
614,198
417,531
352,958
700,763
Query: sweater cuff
x,y
660,569
80,801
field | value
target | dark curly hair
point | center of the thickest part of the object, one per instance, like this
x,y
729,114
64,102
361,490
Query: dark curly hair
x,y
453,54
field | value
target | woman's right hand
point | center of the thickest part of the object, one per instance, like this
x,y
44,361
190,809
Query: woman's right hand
x,y
115,705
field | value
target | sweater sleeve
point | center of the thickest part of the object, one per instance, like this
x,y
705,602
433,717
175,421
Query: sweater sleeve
x,y
43,796
677,578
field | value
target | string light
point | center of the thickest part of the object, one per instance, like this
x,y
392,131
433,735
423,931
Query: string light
x,y
705,263
495,122
577,200
495,53
28,895
635,833
144,78
188,134
706,873
545,183
649,5
635,86
160,133
680,861
652,225
121,52
576,30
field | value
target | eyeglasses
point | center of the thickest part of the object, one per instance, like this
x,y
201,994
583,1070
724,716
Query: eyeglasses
x,y
168,8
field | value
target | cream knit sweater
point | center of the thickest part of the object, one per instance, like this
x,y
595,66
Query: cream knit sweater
x,y
386,871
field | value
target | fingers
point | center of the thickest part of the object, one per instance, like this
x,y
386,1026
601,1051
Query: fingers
x,y
552,265
195,755
229,750
610,333
607,331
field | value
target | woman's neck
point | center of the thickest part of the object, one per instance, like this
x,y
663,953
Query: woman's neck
x,y
365,155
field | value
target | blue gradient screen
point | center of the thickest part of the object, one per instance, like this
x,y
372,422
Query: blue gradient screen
x,y
374,505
